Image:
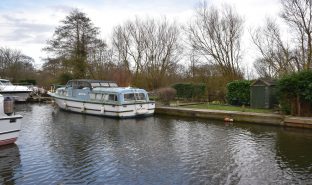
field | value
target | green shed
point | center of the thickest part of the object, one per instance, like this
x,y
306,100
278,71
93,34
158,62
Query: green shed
x,y
263,93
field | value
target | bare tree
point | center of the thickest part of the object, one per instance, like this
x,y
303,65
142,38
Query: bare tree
x,y
216,36
149,48
276,57
15,65
121,41
298,15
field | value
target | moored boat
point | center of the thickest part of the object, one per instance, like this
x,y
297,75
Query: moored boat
x,y
103,98
10,124
18,92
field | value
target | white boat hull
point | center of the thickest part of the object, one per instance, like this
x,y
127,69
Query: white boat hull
x,y
18,96
9,129
110,110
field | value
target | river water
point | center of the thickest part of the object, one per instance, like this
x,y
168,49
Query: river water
x,y
57,147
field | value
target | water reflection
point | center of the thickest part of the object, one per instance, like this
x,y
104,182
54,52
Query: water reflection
x,y
299,157
58,147
9,163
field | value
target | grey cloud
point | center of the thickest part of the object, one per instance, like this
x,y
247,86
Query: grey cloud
x,y
26,31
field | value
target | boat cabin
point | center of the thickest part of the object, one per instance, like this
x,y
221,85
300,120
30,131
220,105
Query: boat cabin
x,y
5,82
102,91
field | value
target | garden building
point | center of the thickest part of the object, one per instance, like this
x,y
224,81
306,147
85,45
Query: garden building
x,y
263,93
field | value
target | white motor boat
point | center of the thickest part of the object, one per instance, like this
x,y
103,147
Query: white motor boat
x,y
18,92
103,98
10,124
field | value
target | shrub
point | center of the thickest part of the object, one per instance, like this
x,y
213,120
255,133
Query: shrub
x,y
166,94
295,91
28,82
64,78
238,92
189,90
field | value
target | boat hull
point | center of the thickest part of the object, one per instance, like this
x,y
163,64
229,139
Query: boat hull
x,y
108,110
18,96
9,129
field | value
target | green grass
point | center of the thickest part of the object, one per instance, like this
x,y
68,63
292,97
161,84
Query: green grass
x,y
228,108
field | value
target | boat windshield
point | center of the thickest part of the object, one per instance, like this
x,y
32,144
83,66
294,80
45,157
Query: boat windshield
x,y
5,82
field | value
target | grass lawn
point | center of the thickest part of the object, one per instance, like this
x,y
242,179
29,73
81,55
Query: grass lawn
x,y
228,108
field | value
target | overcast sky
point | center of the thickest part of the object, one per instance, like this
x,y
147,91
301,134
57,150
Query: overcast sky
x,y
27,24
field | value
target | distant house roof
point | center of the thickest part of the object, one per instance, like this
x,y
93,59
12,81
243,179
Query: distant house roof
x,y
266,81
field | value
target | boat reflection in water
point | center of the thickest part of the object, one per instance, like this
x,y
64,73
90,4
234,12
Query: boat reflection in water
x,y
9,163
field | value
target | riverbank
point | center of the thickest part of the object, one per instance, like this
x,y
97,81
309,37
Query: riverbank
x,y
236,116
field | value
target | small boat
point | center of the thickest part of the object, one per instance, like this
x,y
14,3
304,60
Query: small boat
x,y
18,92
10,124
103,98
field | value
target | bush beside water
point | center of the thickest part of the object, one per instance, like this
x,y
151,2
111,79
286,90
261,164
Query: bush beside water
x,y
238,92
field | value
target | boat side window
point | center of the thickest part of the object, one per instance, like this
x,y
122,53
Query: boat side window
x,y
112,97
95,84
105,97
98,97
140,96
129,97
104,84
113,85
92,96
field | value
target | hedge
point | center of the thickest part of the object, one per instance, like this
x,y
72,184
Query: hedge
x,y
238,92
190,90
27,82
296,86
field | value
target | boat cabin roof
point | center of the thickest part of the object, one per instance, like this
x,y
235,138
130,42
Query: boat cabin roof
x,y
80,83
118,90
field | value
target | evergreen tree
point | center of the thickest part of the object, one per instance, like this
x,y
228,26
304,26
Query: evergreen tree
x,y
72,42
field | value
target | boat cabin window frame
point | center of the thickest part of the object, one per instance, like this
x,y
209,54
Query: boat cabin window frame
x,y
112,97
129,97
113,84
105,97
139,96
79,85
136,95
98,96
95,84
104,84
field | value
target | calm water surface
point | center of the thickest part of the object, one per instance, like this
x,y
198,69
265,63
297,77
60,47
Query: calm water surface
x,y
57,147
